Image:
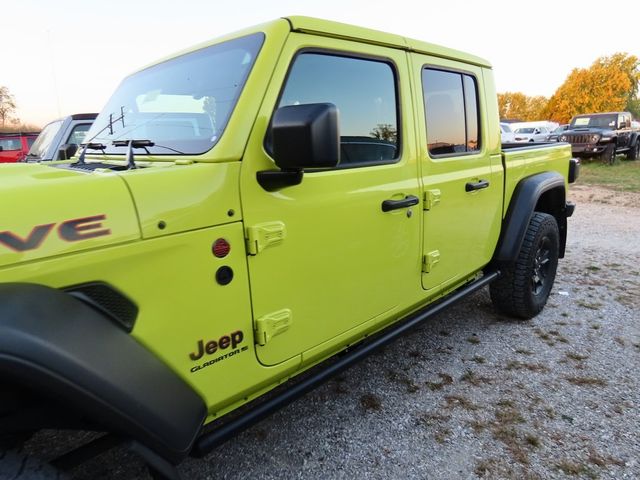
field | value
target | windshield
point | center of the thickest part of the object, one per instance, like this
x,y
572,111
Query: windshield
x,y
183,104
43,142
505,128
11,143
595,121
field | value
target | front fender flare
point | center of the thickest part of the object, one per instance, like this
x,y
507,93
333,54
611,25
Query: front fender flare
x,y
58,345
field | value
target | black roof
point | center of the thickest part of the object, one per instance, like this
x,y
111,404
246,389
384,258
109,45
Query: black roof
x,y
84,116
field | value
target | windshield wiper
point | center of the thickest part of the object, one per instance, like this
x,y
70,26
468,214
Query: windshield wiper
x,y
131,144
146,144
89,146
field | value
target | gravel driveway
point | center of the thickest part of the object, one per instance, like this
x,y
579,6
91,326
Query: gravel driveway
x,y
472,394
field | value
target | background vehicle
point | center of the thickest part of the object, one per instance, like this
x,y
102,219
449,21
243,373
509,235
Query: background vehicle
x,y
59,140
531,134
602,135
14,146
555,135
171,281
506,134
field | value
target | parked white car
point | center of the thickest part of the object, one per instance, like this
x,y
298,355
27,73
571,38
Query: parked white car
x,y
532,134
506,134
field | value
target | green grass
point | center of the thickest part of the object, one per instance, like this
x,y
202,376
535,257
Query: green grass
x,y
624,175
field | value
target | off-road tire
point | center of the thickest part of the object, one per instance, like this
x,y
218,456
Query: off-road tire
x,y
634,151
17,465
608,157
524,286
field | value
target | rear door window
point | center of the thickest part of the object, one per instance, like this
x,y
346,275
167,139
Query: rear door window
x,y
451,110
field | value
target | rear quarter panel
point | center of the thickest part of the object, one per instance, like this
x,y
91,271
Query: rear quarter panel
x,y
523,162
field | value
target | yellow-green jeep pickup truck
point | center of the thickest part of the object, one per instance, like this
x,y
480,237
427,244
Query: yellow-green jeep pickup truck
x,y
246,210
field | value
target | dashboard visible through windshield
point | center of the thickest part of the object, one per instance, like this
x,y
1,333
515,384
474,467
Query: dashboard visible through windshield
x,y
181,105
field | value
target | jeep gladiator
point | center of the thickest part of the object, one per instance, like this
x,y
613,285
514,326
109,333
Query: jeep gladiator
x,y
602,135
280,201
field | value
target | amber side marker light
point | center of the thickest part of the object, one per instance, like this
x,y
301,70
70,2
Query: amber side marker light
x,y
221,248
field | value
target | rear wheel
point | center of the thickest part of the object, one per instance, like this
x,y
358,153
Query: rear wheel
x,y
523,289
634,152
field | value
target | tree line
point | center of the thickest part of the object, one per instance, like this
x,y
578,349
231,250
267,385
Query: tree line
x,y
610,84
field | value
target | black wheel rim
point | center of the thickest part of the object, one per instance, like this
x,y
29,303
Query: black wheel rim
x,y
541,266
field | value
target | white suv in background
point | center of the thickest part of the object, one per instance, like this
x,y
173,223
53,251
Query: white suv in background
x,y
506,134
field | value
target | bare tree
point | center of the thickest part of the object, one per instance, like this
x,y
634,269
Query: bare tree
x,y
7,105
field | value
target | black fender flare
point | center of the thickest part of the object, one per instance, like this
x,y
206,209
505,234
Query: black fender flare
x,y
54,343
544,192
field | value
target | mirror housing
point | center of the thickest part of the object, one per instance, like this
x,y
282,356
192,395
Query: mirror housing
x,y
306,136
66,151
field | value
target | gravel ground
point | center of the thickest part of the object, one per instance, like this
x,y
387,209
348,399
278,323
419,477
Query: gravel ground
x,y
472,394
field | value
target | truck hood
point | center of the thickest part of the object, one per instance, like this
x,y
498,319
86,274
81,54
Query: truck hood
x,y
586,131
50,211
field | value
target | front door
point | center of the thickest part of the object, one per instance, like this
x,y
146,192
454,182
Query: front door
x,y
325,258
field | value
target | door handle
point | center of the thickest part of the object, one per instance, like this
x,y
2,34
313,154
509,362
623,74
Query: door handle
x,y
408,201
479,185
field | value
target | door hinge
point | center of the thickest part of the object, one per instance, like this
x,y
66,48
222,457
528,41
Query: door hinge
x,y
431,198
271,325
430,260
264,235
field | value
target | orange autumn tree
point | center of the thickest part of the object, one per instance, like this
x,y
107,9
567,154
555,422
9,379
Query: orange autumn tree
x,y
517,105
610,84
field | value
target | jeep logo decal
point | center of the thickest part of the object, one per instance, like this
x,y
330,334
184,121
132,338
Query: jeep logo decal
x,y
69,231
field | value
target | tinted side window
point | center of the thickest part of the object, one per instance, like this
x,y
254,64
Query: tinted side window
x,y
451,109
364,91
78,133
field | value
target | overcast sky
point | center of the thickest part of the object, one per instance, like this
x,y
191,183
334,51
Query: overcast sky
x,y
67,56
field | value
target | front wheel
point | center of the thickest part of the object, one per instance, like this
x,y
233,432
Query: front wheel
x,y
524,286
19,466
608,157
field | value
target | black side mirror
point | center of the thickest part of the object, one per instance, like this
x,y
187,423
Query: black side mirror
x,y
1,148
306,136
66,151
302,137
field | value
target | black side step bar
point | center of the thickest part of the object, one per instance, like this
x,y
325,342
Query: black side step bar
x,y
210,440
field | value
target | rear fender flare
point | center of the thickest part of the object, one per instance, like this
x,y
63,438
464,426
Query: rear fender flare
x,y
543,192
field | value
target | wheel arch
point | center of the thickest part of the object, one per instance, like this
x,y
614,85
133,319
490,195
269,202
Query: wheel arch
x,y
543,192
55,344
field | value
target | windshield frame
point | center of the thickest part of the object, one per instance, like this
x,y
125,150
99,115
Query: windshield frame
x,y
45,140
108,126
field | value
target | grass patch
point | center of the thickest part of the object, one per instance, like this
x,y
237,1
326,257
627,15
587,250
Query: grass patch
x,y
532,367
444,380
454,401
371,402
569,467
623,176
576,356
587,381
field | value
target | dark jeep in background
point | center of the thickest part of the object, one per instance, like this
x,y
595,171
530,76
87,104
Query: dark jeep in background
x,y
602,135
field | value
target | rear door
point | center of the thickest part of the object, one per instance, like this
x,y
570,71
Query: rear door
x,y
326,261
461,173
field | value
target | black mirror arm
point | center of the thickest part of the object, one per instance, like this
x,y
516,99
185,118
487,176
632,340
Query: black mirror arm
x,y
273,180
